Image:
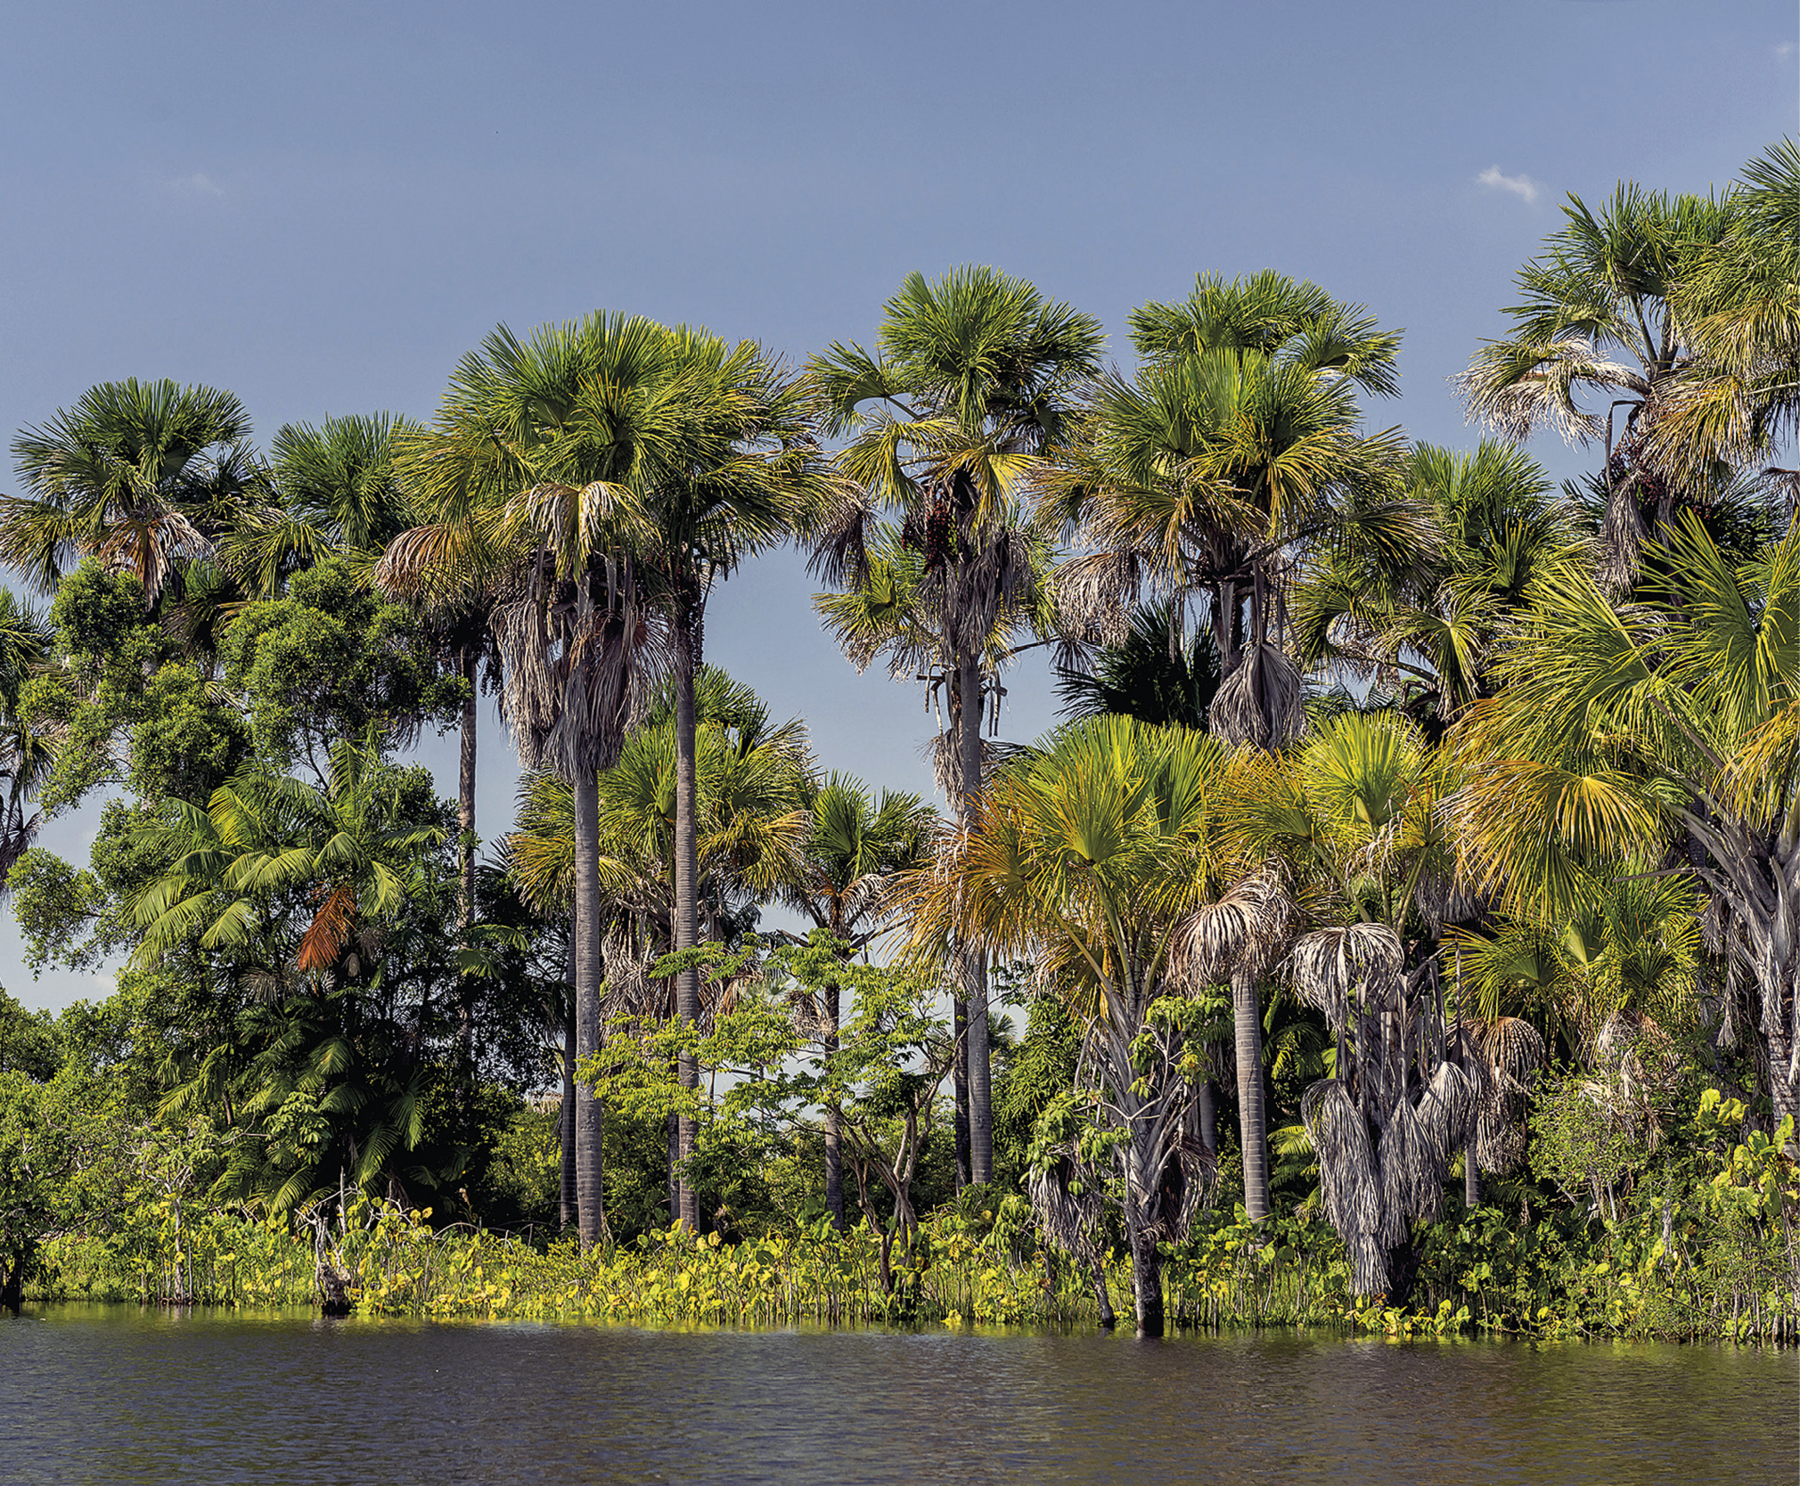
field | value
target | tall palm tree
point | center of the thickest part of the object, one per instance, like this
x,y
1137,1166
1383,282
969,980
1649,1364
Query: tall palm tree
x,y
1597,319
1090,856
949,422
1672,723
842,878
532,472
1235,448
143,475
746,468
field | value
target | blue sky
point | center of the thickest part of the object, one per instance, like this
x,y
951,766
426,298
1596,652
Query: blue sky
x,y
321,207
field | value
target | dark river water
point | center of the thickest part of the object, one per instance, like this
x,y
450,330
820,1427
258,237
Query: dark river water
x,y
105,1394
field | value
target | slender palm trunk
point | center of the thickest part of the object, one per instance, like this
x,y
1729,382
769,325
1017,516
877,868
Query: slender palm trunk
x,y
589,1170
834,1117
571,1201
687,877
465,819
974,965
1246,1015
1471,1178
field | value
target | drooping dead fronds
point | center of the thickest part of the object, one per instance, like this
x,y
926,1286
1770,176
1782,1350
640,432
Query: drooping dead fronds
x,y
1245,931
1094,596
1261,701
1412,1173
1333,965
1351,1180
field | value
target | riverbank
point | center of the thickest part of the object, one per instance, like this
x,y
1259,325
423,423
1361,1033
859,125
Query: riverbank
x,y
1483,1272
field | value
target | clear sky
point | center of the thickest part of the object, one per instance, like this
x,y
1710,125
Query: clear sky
x,y
321,207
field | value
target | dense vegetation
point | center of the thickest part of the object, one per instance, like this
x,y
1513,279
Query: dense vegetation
x,y
1403,930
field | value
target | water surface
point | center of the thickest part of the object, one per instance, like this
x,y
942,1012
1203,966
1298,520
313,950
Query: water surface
x,y
115,1394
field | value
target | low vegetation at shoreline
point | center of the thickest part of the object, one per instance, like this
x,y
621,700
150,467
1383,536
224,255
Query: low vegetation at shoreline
x,y
1716,1263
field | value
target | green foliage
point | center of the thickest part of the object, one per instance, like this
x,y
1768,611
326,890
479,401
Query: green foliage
x,y
328,661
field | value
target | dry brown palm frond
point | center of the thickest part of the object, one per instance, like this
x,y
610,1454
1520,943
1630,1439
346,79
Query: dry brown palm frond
x,y
1412,1175
1246,931
1066,1199
1450,1109
1331,965
1350,1179
1095,594
1261,702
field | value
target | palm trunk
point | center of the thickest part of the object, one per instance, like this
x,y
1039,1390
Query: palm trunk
x,y
1471,1178
571,1202
834,1119
1146,1280
687,907
589,1170
959,1077
1252,1116
465,819
974,965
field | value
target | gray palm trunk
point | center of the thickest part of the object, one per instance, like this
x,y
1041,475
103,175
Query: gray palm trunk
x,y
465,820
589,1168
571,1202
1246,1016
974,965
834,1121
687,908
834,1117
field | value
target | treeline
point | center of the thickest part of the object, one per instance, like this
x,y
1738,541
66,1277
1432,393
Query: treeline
x,y
1421,843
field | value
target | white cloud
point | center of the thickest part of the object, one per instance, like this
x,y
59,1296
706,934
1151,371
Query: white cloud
x,y
1522,186
198,184
1784,50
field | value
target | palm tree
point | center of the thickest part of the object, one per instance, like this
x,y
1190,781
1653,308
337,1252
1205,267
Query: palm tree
x,y
531,472
26,754
1428,633
1597,316
300,892
949,422
1091,856
142,475
1350,823
746,464
750,820
1672,722
1235,448
332,491
842,879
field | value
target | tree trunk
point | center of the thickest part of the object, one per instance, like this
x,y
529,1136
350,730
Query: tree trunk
x,y
834,1119
974,966
981,1098
687,883
1209,1116
1471,1178
959,1076
1252,1117
589,1168
465,897
1146,1280
571,1202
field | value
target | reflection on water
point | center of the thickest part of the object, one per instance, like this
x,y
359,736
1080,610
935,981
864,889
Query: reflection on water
x,y
110,1394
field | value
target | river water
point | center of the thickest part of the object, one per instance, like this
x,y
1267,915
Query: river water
x,y
115,1394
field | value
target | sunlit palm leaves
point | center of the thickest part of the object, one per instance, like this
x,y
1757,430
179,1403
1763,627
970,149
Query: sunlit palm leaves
x,y
142,475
